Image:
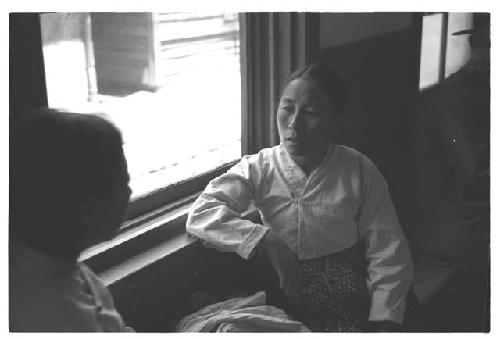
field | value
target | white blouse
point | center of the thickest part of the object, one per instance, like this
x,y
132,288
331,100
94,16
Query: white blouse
x,y
48,295
343,201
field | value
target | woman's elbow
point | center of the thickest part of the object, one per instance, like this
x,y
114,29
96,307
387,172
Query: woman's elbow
x,y
194,226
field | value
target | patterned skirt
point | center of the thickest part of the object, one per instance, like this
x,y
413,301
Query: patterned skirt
x,y
333,296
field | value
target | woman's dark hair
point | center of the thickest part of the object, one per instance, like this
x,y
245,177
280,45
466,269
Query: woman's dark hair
x,y
58,160
327,78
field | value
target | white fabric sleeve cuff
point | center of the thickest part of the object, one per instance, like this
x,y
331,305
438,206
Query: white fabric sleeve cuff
x,y
247,247
379,311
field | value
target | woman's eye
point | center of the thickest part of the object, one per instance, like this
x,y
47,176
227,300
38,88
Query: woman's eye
x,y
286,108
313,113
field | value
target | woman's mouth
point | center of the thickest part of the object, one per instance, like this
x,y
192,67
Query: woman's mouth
x,y
293,141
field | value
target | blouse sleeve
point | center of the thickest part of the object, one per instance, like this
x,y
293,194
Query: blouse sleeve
x,y
108,319
216,216
390,266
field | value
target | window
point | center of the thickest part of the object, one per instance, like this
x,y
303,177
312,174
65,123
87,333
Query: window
x,y
443,53
170,82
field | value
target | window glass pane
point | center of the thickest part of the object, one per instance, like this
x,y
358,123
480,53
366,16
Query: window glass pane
x,y
458,49
431,50
170,82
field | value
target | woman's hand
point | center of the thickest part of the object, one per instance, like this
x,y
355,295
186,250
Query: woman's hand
x,y
283,260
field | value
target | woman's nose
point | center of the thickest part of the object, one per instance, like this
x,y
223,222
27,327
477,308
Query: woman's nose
x,y
295,121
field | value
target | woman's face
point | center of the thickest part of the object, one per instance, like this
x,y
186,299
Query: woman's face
x,y
109,209
304,117
120,198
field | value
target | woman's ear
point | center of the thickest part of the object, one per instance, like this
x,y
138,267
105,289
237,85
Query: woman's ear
x,y
91,217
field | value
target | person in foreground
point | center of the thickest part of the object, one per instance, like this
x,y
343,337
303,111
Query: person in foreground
x,y
329,227
68,191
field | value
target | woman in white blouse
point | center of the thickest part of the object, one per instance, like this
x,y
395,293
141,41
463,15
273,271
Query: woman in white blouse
x,y
329,227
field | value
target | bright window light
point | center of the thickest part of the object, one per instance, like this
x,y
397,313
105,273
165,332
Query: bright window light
x,y
169,81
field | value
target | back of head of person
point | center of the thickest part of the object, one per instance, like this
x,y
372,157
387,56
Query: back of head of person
x,y
479,36
68,181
